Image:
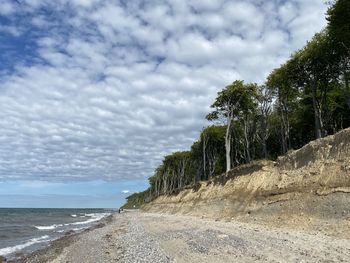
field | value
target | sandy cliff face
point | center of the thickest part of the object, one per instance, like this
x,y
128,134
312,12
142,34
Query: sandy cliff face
x,y
309,184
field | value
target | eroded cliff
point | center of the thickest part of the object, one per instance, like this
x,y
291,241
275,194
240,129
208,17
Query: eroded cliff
x,y
300,188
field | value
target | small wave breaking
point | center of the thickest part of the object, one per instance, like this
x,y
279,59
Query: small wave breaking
x,y
48,227
9,250
94,218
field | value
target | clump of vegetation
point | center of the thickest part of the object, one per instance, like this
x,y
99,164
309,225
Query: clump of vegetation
x,y
135,201
306,98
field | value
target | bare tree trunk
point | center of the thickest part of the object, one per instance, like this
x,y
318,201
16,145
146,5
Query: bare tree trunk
x,y
284,126
205,141
156,188
264,137
265,102
283,138
182,172
165,186
285,129
236,151
171,183
246,139
228,143
347,88
212,164
288,142
318,123
159,187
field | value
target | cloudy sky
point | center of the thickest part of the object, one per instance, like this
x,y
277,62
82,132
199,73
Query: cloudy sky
x,y
93,93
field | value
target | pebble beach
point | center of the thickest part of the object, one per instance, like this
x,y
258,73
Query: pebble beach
x,y
134,237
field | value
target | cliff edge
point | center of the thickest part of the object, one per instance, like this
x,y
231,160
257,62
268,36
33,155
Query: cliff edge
x,y
306,188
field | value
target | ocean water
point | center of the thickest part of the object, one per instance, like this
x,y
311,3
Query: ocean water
x,y
24,230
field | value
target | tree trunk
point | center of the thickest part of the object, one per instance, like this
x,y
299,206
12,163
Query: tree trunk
x,y
288,141
284,128
212,164
205,141
165,185
183,166
283,138
156,188
228,143
347,88
284,122
318,128
246,139
264,135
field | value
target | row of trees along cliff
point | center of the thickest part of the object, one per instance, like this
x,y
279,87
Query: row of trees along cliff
x,y
306,98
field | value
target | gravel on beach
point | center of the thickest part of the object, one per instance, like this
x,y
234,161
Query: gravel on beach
x,y
135,237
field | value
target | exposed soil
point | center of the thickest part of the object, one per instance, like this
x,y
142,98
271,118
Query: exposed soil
x,y
306,189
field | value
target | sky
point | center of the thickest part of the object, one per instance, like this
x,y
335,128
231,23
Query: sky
x,y
93,93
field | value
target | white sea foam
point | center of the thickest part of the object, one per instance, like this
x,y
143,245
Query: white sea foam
x,y
48,227
9,250
94,218
79,228
91,215
73,215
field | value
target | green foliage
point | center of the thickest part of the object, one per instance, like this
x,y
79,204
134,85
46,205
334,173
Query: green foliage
x,y
233,100
135,200
339,23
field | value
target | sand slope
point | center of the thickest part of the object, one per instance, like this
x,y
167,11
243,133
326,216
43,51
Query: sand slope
x,y
307,188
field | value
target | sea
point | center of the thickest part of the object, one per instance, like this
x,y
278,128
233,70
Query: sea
x,y
24,230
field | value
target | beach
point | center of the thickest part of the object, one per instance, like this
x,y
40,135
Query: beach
x,y
144,237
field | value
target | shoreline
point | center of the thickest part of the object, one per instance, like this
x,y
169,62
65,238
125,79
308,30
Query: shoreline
x,y
55,247
163,238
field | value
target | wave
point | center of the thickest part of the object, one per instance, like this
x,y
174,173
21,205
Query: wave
x,y
94,218
73,215
48,227
30,242
79,228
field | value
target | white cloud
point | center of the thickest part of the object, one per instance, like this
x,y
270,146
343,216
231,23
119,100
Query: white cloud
x,y
126,191
6,7
114,87
11,30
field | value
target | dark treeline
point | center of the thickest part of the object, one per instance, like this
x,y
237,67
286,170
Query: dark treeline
x,y
306,98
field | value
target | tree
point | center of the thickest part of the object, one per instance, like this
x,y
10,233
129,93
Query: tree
x,y
318,64
196,161
264,98
229,104
213,141
339,23
339,31
279,82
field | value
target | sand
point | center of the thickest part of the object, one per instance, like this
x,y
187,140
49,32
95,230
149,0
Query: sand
x,y
144,237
